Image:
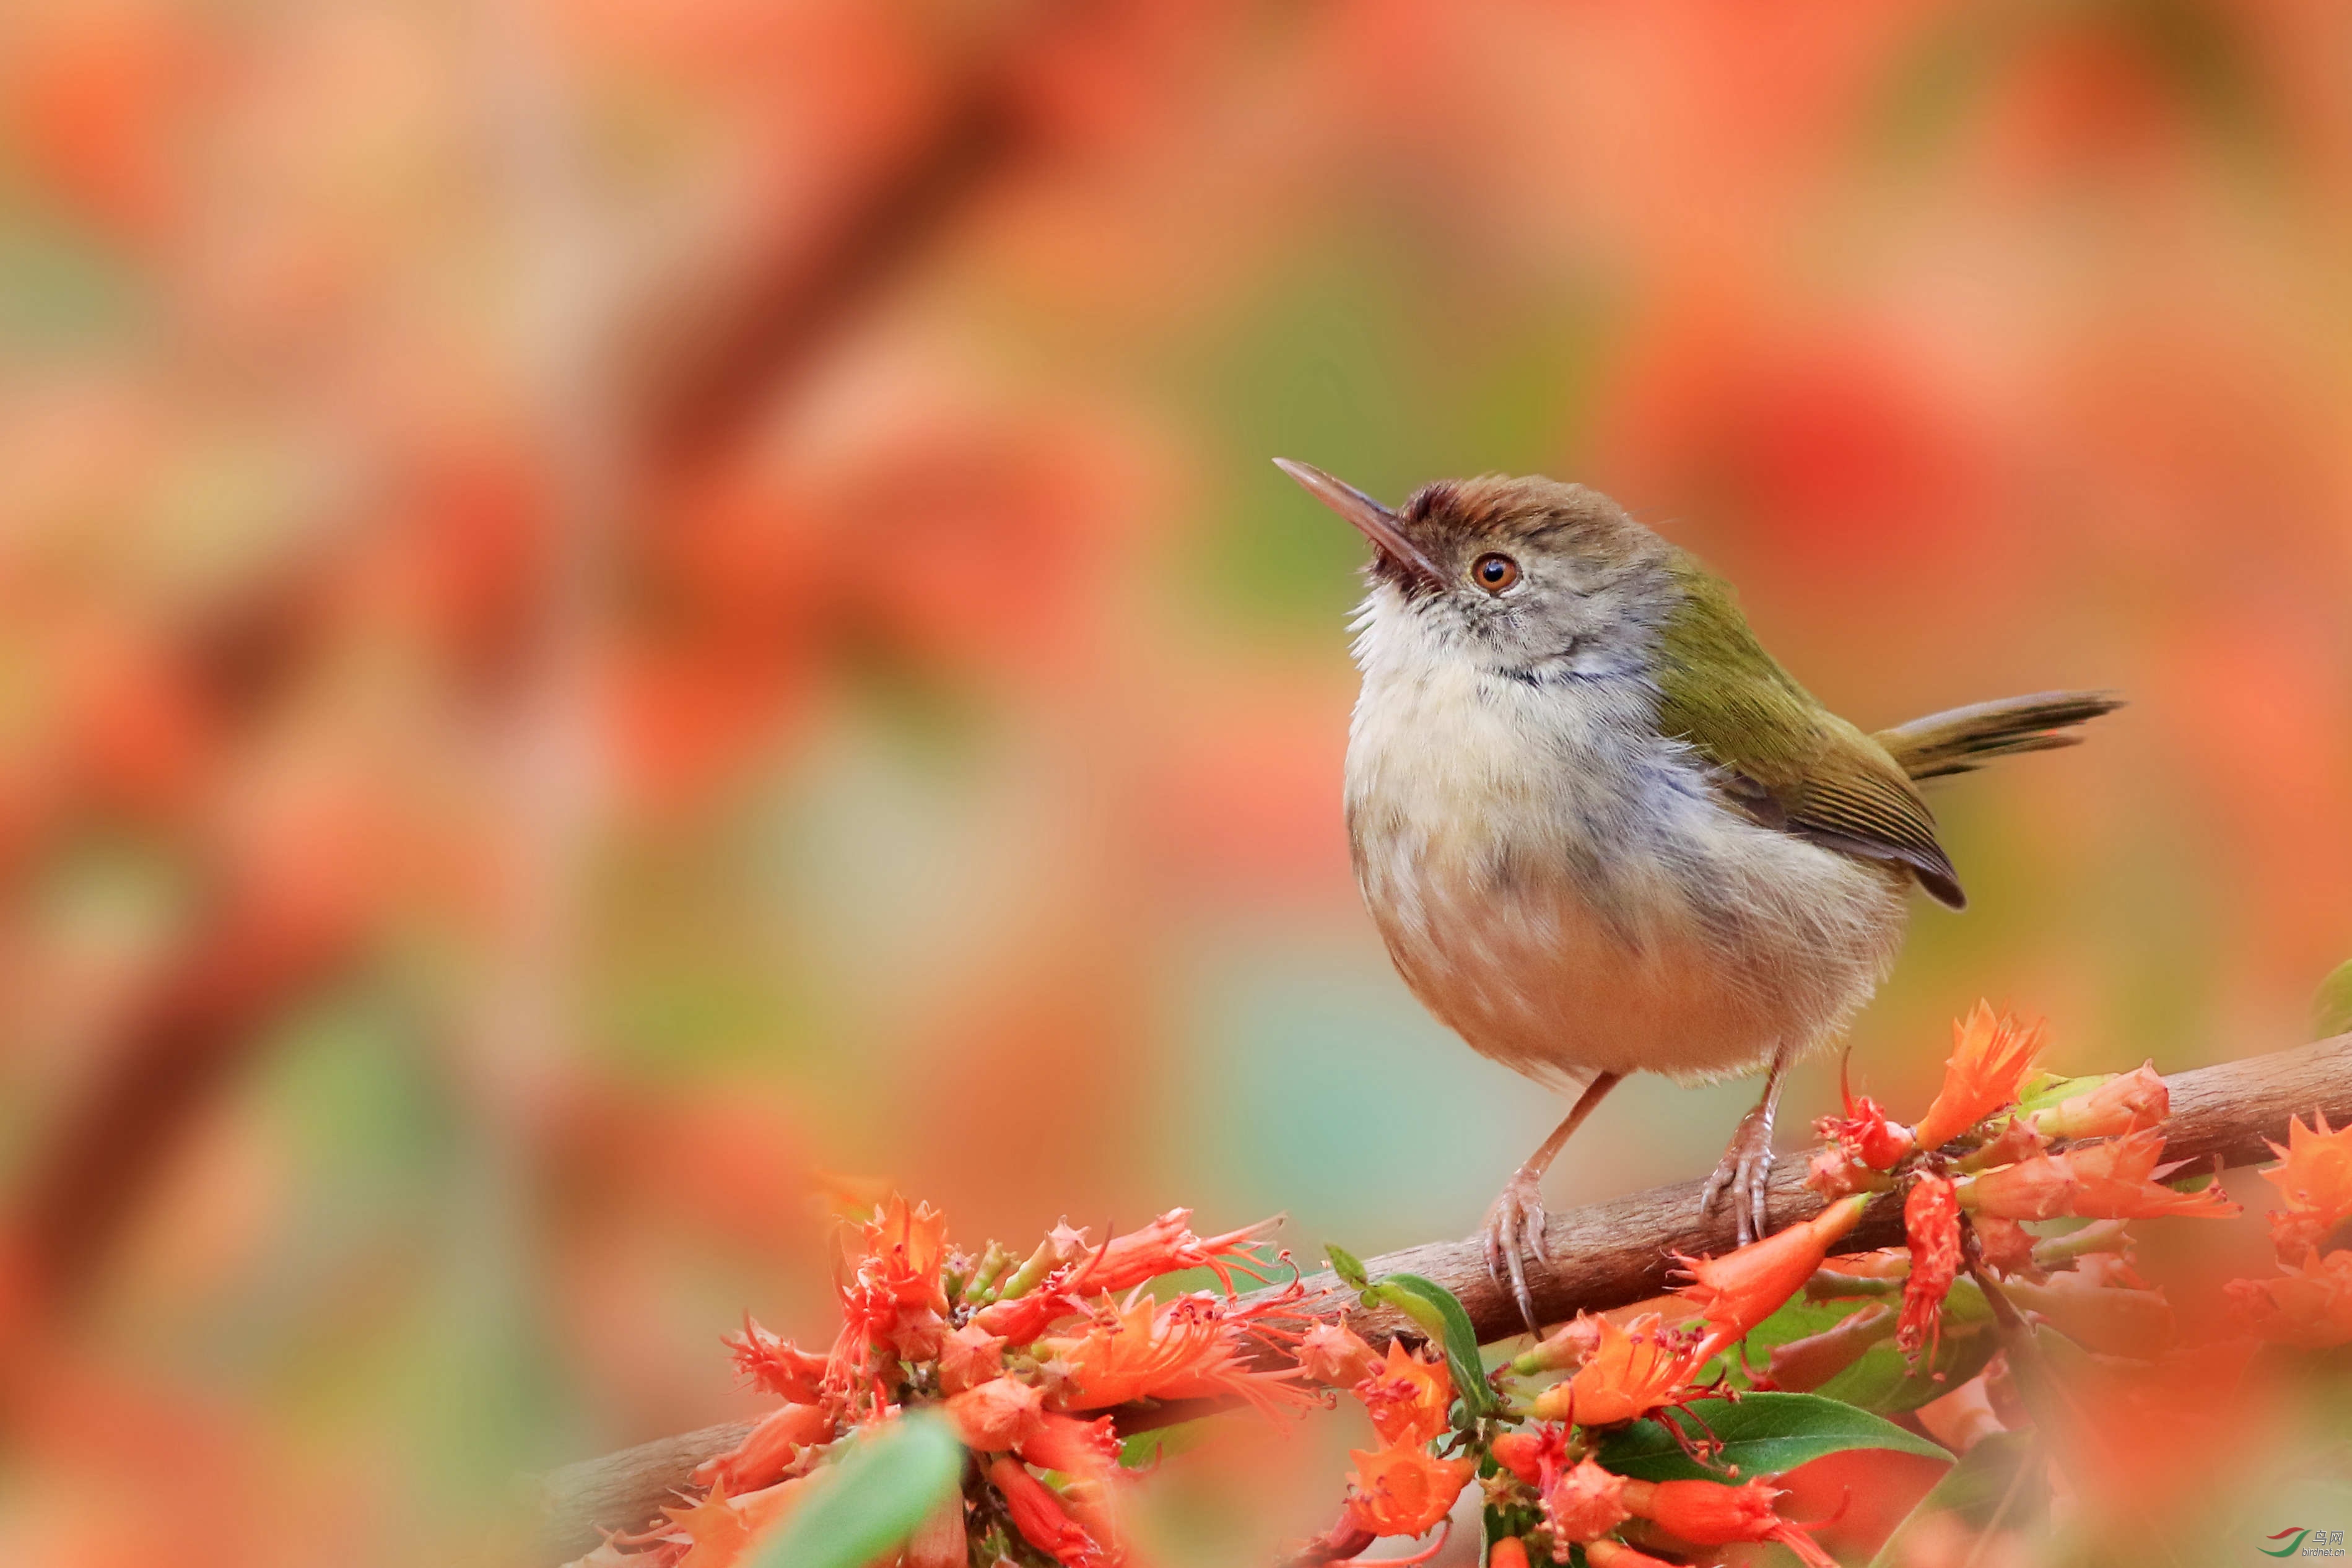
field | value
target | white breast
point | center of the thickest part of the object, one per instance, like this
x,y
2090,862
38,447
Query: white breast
x,y
1563,889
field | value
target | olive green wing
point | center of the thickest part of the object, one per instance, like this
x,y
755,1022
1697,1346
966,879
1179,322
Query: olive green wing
x,y
1782,758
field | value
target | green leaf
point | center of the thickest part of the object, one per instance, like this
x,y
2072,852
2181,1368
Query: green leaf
x,y
1441,1315
1345,1263
1761,1434
2331,1010
881,1492
1986,1482
1145,1449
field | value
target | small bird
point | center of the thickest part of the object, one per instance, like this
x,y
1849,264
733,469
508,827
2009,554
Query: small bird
x,y
1602,831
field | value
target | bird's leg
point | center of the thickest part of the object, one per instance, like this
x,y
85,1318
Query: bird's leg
x,y
1514,1225
1748,1162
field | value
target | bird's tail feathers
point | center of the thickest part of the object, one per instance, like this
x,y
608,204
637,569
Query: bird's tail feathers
x,y
1964,739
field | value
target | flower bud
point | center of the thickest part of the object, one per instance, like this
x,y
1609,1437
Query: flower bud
x,y
1742,1288
1617,1554
1584,1501
2134,1100
1711,1513
1807,1364
1336,1356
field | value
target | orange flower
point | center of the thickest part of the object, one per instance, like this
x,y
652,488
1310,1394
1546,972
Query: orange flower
x,y
968,1356
1710,1513
1408,1398
1404,1490
761,1458
1168,1243
2308,1306
1743,1287
1631,1372
1931,1225
2118,1179
1584,1501
2137,1099
775,1366
1335,1355
1511,1551
904,1246
1193,1348
999,1414
2314,1177
1041,1518
1991,1054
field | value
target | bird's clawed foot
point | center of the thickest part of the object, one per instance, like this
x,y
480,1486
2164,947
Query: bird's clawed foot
x,y
1743,1172
1514,1229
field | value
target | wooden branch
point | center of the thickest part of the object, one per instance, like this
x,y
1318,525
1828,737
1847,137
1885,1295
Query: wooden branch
x,y
1604,1254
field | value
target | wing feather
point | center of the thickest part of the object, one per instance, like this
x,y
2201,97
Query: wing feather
x,y
1784,759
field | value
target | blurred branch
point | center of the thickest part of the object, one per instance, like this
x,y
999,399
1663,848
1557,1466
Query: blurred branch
x,y
726,351
1604,1254
720,355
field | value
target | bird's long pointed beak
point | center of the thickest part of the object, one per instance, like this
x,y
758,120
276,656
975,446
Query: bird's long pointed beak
x,y
1375,522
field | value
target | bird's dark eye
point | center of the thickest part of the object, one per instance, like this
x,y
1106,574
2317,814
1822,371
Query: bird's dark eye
x,y
1494,572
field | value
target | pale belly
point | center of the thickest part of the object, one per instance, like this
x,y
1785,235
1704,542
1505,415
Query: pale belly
x,y
1608,914
1563,980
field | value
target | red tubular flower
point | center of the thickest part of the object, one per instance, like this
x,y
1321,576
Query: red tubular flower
x,y
1168,1243
776,1365
1583,1501
2118,1179
761,1458
1931,1225
1408,1398
1710,1513
2309,1306
1864,1134
1631,1372
2134,1100
1511,1551
1040,1517
1991,1054
1617,1554
1193,1348
2314,1177
1528,1455
1405,1490
1335,1355
1073,1447
1743,1287
999,1414
969,1356
904,1246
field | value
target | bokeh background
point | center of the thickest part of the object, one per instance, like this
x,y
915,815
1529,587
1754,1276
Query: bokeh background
x,y
623,619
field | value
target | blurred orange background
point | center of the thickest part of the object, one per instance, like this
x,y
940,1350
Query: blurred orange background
x,y
622,614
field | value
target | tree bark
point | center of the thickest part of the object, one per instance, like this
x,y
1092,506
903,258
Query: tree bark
x,y
1604,1254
